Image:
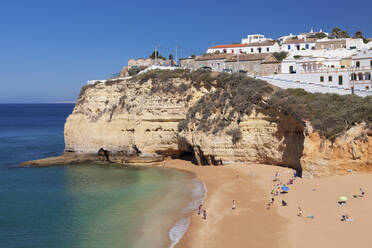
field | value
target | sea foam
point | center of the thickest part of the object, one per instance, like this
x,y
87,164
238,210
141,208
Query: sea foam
x,y
198,194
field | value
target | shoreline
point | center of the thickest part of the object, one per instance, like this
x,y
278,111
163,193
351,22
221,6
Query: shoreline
x,y
223,187
251,224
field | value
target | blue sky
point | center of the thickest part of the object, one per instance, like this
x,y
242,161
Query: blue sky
x,y
49,49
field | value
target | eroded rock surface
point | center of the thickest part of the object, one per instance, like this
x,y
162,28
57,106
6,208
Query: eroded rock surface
x,y
150,116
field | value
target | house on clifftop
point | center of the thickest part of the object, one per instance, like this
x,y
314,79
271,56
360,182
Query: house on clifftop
x,y
260,64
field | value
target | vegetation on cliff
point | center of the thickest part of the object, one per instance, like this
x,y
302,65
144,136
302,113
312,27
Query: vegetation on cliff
x,y
235,95
230,97
329,114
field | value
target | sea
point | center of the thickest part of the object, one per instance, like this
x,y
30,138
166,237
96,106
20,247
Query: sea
x,y
83,205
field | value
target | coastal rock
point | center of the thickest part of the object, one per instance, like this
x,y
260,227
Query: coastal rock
x,y
152,118
124,115
350,152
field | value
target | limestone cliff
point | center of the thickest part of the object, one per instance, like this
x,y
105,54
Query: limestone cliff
x,y
178,115
352,151
122,115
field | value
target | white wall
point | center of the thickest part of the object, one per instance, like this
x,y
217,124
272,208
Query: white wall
x,y
293,47
287,81
357,43
364,57
247,49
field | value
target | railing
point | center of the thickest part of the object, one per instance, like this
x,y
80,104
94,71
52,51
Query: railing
x,y
312,87
328,70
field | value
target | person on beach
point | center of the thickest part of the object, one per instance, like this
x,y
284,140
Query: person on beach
x,y
361,192
204,214
346,218
273,190
234,205
299,212
200,209
164,163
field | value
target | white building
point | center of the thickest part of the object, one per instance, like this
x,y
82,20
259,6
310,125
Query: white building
x,y
247,48
351,73
339,58
297,44
348,43
310,34
254,38
363,59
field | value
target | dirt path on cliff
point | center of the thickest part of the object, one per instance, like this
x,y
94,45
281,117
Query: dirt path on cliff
x,y
252,225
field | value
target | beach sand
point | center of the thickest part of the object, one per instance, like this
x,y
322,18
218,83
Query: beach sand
x,y
251,224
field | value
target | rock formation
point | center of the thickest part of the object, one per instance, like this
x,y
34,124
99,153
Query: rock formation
x,y
152,117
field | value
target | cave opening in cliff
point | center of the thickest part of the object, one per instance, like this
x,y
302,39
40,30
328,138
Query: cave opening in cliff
x,y
189,156
294,146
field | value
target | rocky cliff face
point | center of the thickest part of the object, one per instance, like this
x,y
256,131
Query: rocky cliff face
x,y
156,117
124,116
350,152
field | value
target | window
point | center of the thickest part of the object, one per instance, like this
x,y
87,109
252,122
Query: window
x,y
340,80
224,51
357,64
353,77
307,46
232,50
298,47
360,76
342,66
267,49
367,87
251,50
370,63
240,51
289,47
259,49
367,76
329,78
332,66
321,79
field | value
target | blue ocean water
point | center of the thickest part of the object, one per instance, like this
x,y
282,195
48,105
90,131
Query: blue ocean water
x,y
91,205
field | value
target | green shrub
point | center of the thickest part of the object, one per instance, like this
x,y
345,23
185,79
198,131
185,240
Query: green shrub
x,y
135,70
330,114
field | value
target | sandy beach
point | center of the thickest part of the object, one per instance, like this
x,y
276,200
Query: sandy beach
x,y
251,224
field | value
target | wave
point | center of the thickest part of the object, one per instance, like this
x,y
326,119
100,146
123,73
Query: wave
x,y
198,194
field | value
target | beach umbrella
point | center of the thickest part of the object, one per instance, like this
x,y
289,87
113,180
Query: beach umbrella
x,y
343,198
285,188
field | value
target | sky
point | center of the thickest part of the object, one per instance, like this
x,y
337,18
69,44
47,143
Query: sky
x,y
50,49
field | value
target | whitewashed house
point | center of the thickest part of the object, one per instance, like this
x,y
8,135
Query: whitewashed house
x,y
247,48
363,59
348,43
254,38
310,34
298,44
328,74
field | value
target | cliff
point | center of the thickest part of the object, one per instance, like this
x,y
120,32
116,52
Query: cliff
x,y
218,118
